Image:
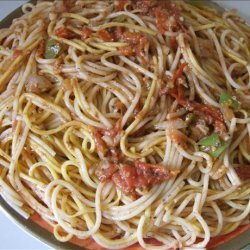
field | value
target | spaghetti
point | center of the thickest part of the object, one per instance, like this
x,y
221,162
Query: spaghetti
x,y
127,120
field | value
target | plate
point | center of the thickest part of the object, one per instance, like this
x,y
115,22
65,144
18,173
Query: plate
x,y
240,242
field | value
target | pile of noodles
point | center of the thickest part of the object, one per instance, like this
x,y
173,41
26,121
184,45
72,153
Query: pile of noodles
x,y
48,151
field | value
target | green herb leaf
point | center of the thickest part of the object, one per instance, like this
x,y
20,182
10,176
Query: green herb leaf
x,y
216,153
228,100
52,49
212,140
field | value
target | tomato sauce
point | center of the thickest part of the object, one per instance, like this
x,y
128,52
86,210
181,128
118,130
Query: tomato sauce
x,y
136,41
17,53
167,17
210,114
161,20
142,175
100,144
121,5
86,32
114,131
106,172
174,89
68,4
126,50
131,37
63,32
145,6
173,43
41,48
178,73
105,35
117,33
243,172
120,106
208,110
178,138
109,149
165,13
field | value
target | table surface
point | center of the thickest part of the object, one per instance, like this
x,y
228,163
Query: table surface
x,y
13,237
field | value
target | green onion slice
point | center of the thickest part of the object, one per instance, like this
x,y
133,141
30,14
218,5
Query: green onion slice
x,y
228,100
216,153
212,140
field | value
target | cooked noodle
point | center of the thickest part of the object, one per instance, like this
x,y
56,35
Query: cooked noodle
x,y
93,91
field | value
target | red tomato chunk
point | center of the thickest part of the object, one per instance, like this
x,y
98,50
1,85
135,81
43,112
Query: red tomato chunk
x,y
128,178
